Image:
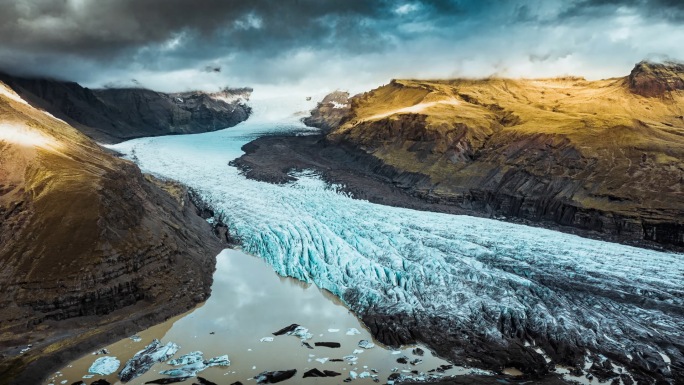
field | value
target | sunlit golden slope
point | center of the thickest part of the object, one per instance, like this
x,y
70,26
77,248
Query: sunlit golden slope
x,y
89,246
596,154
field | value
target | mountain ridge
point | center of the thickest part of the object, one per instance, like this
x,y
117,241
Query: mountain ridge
x,y
112,115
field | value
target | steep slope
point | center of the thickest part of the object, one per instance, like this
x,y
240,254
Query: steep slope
x,y
114,115
90,248
601,155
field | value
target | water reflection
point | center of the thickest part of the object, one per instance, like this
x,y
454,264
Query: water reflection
x,y
248,302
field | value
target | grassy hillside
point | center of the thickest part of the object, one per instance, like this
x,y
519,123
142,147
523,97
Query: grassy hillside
x,y
596,154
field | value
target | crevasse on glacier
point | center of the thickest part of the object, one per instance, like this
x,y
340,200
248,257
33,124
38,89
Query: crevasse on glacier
x,y
606,297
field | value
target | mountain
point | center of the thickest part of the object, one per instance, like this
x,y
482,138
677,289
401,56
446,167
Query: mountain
x,y
605,155
114,115
91,249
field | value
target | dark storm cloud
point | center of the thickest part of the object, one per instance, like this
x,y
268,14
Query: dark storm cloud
x,y
106,26
280,41
655,9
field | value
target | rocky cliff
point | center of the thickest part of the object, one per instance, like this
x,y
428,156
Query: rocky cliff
x,y
113,115
330,112
605,156
90,248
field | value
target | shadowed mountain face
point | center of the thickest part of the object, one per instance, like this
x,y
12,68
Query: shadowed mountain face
x,y
114,115
90,248
600,155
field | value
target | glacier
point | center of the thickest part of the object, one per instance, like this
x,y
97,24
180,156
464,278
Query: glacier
x,y
493,281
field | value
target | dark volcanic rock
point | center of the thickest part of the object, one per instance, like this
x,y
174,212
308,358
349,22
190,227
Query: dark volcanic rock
x,y
204,381
492,380
285,330
172,380
275,376
100,382
328,344
317,373
114,115
656,79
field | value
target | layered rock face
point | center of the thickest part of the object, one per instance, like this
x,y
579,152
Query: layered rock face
x,y
114,115
90,248
600,155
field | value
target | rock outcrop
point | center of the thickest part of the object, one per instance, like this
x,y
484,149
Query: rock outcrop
x,y
331,112
656,79
113,115
91,249
604,156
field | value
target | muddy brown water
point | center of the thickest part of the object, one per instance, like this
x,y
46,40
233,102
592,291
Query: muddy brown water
x,y
248,302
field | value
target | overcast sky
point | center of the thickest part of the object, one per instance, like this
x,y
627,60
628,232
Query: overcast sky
x,y
177,45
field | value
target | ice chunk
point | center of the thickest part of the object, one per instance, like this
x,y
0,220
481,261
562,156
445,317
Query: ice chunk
x,y
366,344
322,360
218,361
358,351
143,360
353,331
353,375
104,366
333,330
295,330
189,370
135,338
351,358
302,333
266,339
194,363
364,375
187,359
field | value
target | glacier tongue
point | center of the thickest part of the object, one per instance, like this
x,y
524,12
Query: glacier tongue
x,y
500,281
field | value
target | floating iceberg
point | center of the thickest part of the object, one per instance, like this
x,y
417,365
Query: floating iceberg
x,y
193,363
104,366
187,359
366,344
143,360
